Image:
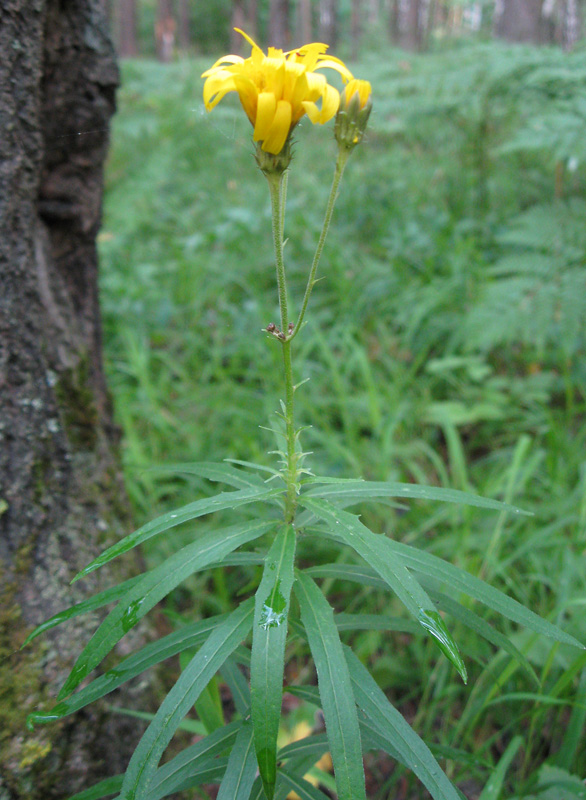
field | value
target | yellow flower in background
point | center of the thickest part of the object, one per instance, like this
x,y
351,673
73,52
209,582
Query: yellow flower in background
x,y
277,89
362,90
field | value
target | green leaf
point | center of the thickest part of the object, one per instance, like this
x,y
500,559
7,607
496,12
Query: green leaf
x,y
191,761
348,528
268,652
357,573
335,489
457,579
219,473
492,790
303,788
374,622
237,685
193,679
153,587
208,705
241,770
314,746
102,789
188,637
484,629
209,771
171,519
91,604
334,688
392,727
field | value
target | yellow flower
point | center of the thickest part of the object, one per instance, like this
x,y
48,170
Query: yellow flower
x,y
353,114
277,89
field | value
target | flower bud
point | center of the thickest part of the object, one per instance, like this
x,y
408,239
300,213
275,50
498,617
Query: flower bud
x,y
353,114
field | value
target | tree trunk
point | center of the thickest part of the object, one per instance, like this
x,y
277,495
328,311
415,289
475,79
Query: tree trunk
x,y
61,497
356,28
237,41
165,28
328,22
571,24
406,27
252,18
126,25
184,27
524,21
279,34
305,23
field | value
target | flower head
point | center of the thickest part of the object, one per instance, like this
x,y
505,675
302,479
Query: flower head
x,y
353,114
277,89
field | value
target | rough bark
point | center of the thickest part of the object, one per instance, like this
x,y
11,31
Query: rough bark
x,y
279,32
61,497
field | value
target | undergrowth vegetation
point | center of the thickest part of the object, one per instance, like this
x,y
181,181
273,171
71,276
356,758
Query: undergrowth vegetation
x,y
446,346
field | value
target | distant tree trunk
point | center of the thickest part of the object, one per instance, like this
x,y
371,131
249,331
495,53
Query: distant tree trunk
x,y
61,495
305,22
356,27
373,12
279,32
126,13
406,24
237,41
328,22
525,21
184,26
252,18
165,28
571,24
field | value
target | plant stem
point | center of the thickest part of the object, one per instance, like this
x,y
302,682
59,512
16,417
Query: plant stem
x,y
338,172
277,184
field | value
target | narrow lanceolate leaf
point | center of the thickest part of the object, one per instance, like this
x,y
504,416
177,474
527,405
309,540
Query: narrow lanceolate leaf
x,y
348,528
171,519
241,770
492,790
457,579
192,761
334,688
153,587
268,652
392,727
104,788
303,789
188,637
219,473
369,490
203,666
91,604
238,686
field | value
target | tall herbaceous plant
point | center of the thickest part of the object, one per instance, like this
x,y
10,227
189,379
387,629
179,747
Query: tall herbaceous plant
x,y
276,90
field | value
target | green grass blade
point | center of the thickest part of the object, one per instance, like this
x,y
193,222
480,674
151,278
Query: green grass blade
x,y
457,579
334,688
268,652
218,473
237,685
191,761
358,490
102,789
91,604
188,637
391,725
492,790
348,528
193,679
153,587
171,519
241,770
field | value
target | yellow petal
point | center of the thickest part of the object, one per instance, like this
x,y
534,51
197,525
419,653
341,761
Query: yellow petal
x,y
334,63
221,62
216,87
248,94
265,114
329,106
279,130
256,51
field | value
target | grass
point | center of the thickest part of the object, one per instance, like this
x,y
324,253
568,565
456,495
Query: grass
x,y
445,345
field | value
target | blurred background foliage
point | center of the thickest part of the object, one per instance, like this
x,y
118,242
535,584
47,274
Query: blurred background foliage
x,y
445,345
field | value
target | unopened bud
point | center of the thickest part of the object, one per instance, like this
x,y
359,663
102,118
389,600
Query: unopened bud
x,y
353,114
